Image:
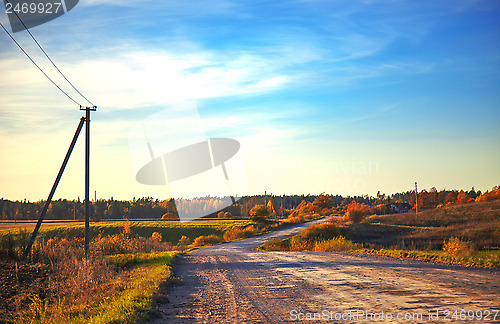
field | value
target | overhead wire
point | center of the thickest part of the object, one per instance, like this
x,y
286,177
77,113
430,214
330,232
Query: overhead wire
x,y
57,117
46,55
32,61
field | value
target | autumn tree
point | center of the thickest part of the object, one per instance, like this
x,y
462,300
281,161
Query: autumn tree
x,y
451,198
356,212
270,208
411,200
426,199
252,202
462,197
306,207
323,202
490,195
259,213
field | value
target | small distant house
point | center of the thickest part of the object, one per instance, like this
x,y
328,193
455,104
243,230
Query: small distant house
x,y
400,207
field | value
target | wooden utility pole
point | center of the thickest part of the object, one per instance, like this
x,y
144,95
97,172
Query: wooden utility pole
x,y
87,177
416,201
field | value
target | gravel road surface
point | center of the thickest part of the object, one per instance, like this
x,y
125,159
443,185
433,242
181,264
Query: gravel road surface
x,y
232,283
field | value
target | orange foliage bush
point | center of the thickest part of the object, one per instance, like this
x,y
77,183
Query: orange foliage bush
x,y
306,239
277,245
311,239
184,240
294,219
455,246
126,228
320,231
239,233
226,215
356,212
169,216
298,243
156,237
206,240
336,244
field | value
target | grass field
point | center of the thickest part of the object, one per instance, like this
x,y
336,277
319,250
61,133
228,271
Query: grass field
x,y
9,225
171,231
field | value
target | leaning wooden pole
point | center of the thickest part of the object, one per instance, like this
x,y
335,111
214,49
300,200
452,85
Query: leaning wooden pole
x,y
54,187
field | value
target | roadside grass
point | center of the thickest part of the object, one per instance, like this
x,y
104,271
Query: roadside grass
x,y
126,298
134,303
484,259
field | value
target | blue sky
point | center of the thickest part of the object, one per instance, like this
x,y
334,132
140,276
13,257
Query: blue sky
x,y
343,97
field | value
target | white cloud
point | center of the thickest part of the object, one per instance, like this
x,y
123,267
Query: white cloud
x,y
143,78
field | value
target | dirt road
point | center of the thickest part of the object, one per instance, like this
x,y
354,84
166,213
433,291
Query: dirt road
x,y
231,283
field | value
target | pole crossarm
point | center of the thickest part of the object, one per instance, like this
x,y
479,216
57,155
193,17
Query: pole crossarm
x,y
54,187
93,108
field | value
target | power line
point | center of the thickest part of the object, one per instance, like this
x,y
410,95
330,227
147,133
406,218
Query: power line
x,y
22,49
46,55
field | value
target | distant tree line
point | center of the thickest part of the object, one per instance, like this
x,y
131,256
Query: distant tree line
x,y
278,206
62,209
